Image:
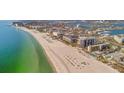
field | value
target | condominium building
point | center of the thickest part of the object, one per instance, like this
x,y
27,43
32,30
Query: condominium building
x,y
86,41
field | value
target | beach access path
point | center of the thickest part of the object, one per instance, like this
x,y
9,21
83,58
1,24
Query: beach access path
x,y
65,58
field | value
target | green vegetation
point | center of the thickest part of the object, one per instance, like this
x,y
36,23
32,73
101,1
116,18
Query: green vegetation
x,y
102,59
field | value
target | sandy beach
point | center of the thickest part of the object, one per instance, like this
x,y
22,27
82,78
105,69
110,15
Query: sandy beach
x,y
66,58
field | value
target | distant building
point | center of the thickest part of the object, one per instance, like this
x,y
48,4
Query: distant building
x,y
70,38
99,47
86,41
17,24
35,27
119,38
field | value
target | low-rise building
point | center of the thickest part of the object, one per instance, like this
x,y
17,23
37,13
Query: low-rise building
x,y
119,38
122,58
104,46
93,48
98,47
86,41
70,38
58,34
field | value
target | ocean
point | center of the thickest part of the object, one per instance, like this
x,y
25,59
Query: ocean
x,y
20,52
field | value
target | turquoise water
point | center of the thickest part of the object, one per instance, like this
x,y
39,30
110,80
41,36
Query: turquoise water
x,y
113,32
116,32
20,52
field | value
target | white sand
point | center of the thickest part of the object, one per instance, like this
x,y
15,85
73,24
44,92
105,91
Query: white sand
x,y
65,58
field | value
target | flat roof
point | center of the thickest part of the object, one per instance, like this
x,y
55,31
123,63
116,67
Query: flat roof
x,y
87,37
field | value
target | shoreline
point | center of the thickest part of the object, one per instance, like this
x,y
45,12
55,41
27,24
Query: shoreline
x,y
59,59
49,61
44,50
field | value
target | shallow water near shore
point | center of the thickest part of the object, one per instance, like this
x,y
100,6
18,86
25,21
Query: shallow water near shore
x,y
20,52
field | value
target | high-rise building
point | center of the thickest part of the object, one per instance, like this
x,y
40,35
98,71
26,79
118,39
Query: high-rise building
x,y
86,41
